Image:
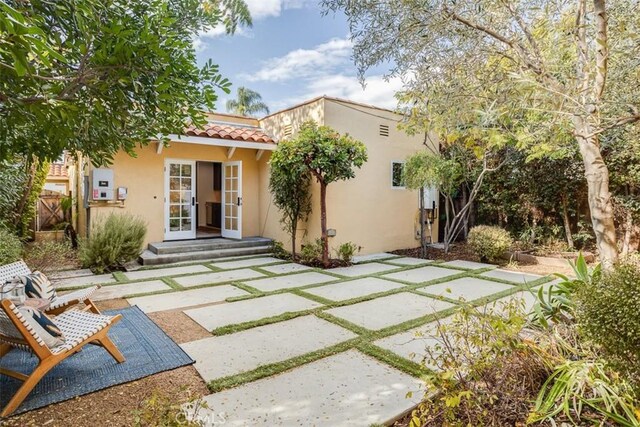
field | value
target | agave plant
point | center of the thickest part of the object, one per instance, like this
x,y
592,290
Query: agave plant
x,y
556,305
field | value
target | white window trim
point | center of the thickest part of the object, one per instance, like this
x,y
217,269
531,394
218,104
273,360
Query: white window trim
x,y
393,187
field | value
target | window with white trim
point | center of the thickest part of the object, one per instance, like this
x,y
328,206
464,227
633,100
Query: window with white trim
x,y
397,172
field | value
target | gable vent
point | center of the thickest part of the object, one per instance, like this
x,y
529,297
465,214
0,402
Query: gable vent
x,y
384,130
288,130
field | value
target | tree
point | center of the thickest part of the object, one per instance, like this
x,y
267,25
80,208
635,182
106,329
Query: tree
x,y
329,157
247,103
425,169
21,182
520,57
290,186
99,77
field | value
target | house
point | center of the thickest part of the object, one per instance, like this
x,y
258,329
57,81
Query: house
x,y
213,182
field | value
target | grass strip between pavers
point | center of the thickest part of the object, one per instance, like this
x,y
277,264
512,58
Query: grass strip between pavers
x,y
279,367
366,338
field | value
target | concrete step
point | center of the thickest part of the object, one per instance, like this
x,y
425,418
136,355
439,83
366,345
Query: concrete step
x,y
189,246
149,258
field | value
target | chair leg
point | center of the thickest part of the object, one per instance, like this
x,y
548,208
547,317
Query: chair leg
x,y
111,348
91,306
26,388
4,349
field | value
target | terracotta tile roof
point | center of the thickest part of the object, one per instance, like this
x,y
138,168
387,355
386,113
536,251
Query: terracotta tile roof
x,y
57,170
228,131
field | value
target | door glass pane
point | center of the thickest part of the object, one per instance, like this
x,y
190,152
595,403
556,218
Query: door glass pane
x,y
186,184
174,224
174,183
185,196
186,224
174,211
186,170
234,224
174,197
174,170
227,223
234,186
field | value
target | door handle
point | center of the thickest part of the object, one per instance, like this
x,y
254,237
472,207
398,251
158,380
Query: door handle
x,y
193,201
239,201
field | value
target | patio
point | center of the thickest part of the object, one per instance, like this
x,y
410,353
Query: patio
x,y
281,344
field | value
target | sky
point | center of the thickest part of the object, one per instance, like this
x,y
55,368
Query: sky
x,y
291,54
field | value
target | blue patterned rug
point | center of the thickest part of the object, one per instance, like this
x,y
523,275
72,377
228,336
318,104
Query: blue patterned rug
x,y
146,348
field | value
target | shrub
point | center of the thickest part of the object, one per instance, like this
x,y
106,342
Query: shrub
x,y
113,241
483,372
278,250
607,314
49,256
10,247
488,242
311,252
346,251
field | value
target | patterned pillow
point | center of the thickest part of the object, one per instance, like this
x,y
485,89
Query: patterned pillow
x,y
36,285
43,326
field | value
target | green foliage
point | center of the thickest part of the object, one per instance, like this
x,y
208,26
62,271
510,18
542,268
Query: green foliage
x,y
247,103
109,75
607,313
49,256
13,180
558,304
113,241
426,169
488,242
311,252
278,250
329,157
40,170
346,251
483,372
578,386
290,186
529,196
10,247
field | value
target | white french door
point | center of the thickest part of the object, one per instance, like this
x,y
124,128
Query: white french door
x,y
232,200
179,199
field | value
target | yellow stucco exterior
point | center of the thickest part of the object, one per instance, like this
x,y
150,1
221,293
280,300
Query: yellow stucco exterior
x,y
366,210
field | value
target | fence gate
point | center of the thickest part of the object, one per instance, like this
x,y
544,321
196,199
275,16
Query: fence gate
x,y
49,210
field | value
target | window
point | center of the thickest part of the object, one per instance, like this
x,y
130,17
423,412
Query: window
x,y
397,170
384,130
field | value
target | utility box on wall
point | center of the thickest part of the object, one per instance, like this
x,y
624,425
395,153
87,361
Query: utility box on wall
x,y
102,188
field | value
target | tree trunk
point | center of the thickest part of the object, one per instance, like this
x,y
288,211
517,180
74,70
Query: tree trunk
x,y
32,168
446,226
294,229
567,223
628,231
465,196
423,238
323,224
600,204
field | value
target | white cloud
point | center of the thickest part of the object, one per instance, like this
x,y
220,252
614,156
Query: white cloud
x,y
377,91
305,63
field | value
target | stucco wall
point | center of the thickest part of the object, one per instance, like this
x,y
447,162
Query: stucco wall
x,y
144,177
365,210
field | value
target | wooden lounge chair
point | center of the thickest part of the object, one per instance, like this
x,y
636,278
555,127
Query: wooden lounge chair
x,y
79,328
60,303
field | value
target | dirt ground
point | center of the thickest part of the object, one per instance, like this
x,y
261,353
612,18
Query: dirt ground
x,y
115,406
463,252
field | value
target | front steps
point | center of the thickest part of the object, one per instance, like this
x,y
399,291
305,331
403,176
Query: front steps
x,y
197,250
